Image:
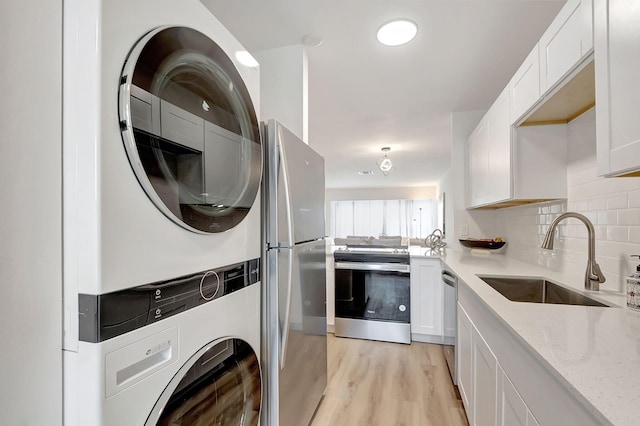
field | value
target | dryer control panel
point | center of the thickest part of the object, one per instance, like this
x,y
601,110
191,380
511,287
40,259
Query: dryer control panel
x,y
104,316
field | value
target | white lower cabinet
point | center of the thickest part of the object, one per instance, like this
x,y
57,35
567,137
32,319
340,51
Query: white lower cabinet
x,y
426,300
485,375
465,360
512,411
500,381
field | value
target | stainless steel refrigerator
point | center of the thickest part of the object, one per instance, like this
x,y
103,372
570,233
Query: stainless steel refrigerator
x,y
294,344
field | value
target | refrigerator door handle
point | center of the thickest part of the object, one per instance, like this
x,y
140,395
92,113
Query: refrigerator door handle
x,y
285,329
287,192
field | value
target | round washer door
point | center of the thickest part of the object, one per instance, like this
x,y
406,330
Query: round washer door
x,y
190,129
219,385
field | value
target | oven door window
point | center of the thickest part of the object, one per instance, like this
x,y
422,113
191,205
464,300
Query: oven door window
x,y
190,129
372,295
220,385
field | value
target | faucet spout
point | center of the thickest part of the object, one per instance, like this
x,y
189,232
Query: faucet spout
x,y
593,276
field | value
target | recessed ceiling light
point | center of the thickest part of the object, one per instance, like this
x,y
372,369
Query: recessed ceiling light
x,y
365,172
398,32
246,59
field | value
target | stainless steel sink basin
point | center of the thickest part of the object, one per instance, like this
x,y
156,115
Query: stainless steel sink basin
x,y
537,290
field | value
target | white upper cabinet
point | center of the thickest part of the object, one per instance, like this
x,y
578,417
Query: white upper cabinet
x,y
489,156
525,85
566,42
517,154
478,165
509,166
617,60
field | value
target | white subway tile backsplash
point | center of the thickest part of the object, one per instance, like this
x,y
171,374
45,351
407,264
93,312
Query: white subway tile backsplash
x,y
615,233
634,198
598,204
608,217
617,201
634,234
612,204
629,216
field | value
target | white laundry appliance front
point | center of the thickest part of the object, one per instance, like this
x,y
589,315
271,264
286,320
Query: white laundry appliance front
x,y
162,164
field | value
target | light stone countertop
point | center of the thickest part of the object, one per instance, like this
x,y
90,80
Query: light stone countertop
x,y
593,351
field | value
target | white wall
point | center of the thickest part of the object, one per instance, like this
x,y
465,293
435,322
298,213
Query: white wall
x,y
612,204
284,88
409,193
30,221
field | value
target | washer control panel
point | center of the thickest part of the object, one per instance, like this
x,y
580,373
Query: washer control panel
x,y
104,316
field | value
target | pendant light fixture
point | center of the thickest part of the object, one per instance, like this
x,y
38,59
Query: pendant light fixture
x,y
384,164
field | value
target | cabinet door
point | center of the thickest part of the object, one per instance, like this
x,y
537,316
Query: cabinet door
x,y
145,110
617,60
489,155
181,126
224,177
567,40
465,364
478,165
484,383
499,145
512,411
525,85
426,298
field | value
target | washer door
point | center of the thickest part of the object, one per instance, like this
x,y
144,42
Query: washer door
x,y
219,385
190,129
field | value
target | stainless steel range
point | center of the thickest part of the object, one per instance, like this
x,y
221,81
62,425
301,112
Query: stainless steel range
x,y
372,293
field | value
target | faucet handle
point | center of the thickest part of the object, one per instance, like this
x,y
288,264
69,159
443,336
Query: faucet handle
x,y
596,273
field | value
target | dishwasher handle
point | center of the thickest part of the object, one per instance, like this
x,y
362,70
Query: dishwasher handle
x,y
449,279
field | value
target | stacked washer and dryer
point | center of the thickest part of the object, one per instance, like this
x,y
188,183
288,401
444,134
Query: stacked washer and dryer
x,y
162,165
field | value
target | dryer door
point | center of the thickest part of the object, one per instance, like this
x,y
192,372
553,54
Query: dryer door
x,y
190,129
219,385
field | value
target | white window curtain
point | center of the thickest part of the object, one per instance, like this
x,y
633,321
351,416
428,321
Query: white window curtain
x,y
406,218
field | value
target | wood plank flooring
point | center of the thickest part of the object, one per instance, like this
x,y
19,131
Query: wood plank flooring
x,y
385,384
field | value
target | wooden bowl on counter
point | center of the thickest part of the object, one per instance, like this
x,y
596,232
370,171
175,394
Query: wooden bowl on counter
x,y
482,244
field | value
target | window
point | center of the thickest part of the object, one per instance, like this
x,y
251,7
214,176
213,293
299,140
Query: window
x,y
407,218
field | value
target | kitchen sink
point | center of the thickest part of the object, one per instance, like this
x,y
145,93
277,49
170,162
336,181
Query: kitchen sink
x,y
537,290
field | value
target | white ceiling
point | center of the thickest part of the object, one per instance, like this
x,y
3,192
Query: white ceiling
x,y
363,95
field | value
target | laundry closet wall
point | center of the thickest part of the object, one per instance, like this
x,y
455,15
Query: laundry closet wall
x,y
31,214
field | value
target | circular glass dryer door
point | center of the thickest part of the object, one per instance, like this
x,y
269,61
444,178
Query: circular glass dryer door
x,y
219,385
190,129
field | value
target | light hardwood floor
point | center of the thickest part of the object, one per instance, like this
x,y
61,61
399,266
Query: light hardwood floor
x,y
385,384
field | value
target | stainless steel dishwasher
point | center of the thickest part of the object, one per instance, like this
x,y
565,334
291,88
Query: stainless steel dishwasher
x,y
450,311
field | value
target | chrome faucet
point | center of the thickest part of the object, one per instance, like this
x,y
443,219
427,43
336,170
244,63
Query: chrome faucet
x,y
593,277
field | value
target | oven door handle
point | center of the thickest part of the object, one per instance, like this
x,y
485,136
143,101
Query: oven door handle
x,y
449,279
389,267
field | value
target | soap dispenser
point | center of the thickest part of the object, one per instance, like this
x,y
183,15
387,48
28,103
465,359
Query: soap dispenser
x,y
633,288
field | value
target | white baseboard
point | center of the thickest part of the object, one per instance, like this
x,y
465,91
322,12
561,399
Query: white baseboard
x,y
426,338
